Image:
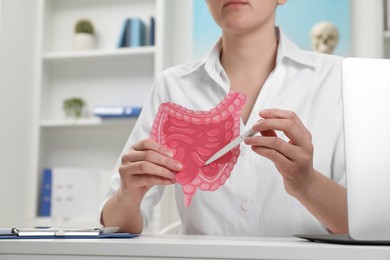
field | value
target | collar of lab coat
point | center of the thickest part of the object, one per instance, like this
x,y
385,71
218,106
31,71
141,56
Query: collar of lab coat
x,y
286,50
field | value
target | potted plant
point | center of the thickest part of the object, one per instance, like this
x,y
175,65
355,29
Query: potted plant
x,y
73,107
84,38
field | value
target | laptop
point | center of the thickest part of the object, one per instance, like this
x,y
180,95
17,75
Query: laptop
x,y
366,104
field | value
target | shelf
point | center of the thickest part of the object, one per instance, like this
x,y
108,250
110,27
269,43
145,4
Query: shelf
x,y
94,121
50,222
123,52
106,75
107,17
386,34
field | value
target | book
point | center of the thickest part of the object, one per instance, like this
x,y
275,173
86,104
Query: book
x,y
122,38
45,194
136,33
152,31
133,33
116,111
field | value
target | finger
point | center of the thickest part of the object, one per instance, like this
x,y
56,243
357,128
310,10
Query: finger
x,y
282,163
268,133
153,157
149,144
290,129
143,167
149,181
283,114
275,143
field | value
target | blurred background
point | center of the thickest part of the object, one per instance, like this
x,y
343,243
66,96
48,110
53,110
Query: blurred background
x,y
74,75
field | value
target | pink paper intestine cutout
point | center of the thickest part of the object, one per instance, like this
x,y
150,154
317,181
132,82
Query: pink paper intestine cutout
x,y
194,136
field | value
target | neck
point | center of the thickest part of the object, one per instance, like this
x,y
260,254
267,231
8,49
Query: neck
x,y
253,52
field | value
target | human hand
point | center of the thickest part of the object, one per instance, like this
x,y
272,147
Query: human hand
x,y
294,158
146,164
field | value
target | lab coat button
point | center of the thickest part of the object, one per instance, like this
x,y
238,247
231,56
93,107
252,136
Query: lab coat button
x,y
242,151
245,206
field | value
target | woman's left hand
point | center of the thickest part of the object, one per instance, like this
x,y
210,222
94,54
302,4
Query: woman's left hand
x,y
293,158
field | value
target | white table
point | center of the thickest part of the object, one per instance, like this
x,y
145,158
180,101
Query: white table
x,y
185,247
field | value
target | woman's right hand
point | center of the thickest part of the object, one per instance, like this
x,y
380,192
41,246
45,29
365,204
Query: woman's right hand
x,y
146,164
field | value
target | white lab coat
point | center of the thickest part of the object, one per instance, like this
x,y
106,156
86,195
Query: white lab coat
x,y
253,201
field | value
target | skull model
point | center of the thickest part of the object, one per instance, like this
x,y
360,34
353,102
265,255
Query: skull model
x,y
325,37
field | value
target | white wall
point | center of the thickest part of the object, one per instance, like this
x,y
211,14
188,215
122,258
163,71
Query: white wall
x,y
182,43
16,81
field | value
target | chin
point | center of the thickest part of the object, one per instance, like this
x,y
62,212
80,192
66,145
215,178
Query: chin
x,y
237,26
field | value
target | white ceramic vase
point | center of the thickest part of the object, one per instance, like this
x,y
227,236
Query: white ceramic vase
x,y
84,41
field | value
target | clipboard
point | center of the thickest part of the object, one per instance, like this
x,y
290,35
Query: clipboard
x,y
62,233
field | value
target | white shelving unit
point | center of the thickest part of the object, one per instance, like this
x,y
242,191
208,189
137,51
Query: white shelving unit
x,y
103,76
386,28
367,28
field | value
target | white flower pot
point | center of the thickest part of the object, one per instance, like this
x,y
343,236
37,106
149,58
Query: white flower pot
x,y
84,41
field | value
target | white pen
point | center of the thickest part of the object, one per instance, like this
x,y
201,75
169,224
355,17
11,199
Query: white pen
x,y
231,145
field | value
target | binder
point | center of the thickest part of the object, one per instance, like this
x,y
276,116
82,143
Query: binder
x,y
116,111
45,197
63,196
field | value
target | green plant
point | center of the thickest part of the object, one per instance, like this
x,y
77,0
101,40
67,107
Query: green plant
x,y
84,26
73,107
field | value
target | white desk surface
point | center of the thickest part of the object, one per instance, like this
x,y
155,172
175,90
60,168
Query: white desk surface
x,y
185,247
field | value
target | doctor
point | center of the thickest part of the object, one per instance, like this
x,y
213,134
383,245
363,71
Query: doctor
x,y
291,180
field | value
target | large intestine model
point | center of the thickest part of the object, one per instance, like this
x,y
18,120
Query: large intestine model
x,y
194,136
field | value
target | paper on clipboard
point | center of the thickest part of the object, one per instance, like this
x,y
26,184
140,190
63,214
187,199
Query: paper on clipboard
x,y
63,231
58,233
